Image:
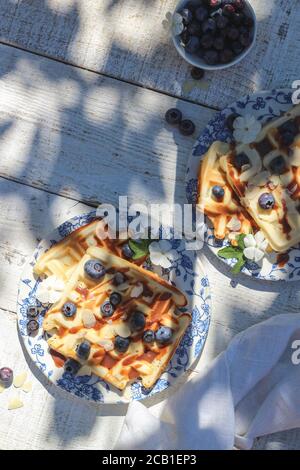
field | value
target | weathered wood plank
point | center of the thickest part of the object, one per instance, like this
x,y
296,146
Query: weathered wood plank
x,y
125,39
87,137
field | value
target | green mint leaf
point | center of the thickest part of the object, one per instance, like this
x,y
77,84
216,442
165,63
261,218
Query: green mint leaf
x,y
240,240
230,252
239,265
140,248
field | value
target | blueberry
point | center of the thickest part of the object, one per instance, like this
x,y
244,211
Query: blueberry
x,y
83,350
201,14
94,269
228,10
230,120
127,251
245,39
118,279
197,74
243,30
211,57
173,116
194,29
187,16
149,336
137,321
121,344
278,166
209,26
32,326
240,160
237,47
226,56
72,366
266,201
222,22
218,192
192,45
219,43
69,309
164,335
233,33
115,298
187,127
287,138
207,41
32,311
107,309
6,375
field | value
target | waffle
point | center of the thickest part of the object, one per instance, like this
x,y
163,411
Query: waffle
x,y
271,166
159,302
63,257
220,213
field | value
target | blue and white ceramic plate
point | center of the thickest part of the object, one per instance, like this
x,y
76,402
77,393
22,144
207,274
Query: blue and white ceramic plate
x,y
264,106
186,273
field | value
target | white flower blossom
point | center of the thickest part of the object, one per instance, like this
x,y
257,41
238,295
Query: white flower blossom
x,y
246,129
255,246
162,254
50,290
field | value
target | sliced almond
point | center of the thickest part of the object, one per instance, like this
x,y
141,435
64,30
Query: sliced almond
x,y
74,296
27,387
234,224
88,318
107,344
15,403
137,290
121,329
19,380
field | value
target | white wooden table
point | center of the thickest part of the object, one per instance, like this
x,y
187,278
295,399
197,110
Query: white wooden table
x,y
84,86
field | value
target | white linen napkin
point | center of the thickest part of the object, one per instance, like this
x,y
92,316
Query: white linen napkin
x,y
251,389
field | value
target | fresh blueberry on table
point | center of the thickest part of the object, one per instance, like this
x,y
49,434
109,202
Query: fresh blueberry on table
x,y
121,344
127,251
137,321
83,350
69,309
149,336
115,298
72,366
173,116
197,74
94,269
266,201
32,326
6,375
278,166
218,192
164,335
187,127
32,311
107,309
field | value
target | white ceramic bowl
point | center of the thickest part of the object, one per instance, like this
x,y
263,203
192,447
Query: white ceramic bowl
x,y
197,61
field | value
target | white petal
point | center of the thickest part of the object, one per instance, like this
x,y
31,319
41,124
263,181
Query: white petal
x,y
164,246
239,123
249,252
54,296
155,258
164,262
172,255
154,248
249,240
238,134
258,255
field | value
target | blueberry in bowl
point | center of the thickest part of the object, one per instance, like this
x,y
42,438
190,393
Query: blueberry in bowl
x,y
214,34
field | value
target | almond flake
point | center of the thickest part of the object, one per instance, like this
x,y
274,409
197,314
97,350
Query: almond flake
x,y
15,403
234,224
27,387
137,290
84,370
122,329
88,318
20,380
107,344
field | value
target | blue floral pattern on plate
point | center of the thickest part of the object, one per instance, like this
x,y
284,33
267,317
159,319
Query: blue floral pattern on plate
x,y
186,273
264,106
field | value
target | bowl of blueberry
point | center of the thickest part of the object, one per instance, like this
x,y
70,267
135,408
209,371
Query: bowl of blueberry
x,y
214,34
